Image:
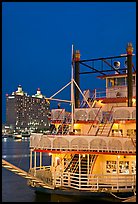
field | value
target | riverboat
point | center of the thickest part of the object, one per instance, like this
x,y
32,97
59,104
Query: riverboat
x,y
16,136
25,135
92,148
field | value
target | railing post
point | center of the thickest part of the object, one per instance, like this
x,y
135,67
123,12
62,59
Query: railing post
x,y
117,182
61,178
134,186
97,183
31,159
54,178
69,183
88,161
35,163
40,160
79,172
117,161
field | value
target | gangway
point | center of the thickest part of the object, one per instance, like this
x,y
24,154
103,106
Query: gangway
x,y
24,174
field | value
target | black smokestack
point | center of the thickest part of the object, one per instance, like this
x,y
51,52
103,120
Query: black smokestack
x,y
77,78
129,74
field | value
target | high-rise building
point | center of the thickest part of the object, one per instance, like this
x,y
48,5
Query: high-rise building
x,y
27,112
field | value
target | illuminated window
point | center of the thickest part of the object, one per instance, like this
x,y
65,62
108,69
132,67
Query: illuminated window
x,y
121,81
124,167
111,167
133,166
110,82
131,132
117,132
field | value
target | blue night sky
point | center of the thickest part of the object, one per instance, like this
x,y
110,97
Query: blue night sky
x,y
37,38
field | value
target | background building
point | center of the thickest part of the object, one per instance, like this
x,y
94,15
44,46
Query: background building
x,y
26,112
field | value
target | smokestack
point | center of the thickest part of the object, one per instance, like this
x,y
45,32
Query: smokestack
x,y
77,78
129,50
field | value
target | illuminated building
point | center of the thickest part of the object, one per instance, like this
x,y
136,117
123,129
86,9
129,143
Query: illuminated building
x,y
27,112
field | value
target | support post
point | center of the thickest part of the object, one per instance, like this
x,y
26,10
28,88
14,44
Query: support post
x,y
79,171
40,160
31,159
35,163
88,162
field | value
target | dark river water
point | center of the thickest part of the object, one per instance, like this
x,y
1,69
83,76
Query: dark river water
x,y
14,187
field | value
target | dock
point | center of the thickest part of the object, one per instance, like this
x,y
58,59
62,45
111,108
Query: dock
x,y
25,174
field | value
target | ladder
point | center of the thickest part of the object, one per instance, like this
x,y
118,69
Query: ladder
x,y
105,128
96,116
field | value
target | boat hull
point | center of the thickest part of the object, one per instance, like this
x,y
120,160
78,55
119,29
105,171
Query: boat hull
x,y
17,137
25,135
105,196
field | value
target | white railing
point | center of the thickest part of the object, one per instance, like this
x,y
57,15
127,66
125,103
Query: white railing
x,y
93,114
94,182
113,92
88,114
124,113
83,143
87,182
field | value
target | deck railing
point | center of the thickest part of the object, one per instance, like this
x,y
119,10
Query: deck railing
x,y
96,182
113,92
83,143
90,182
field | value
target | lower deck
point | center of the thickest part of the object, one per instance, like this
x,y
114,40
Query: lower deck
x,y
85,172
87,183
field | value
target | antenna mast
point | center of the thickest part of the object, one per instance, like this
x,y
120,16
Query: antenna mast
x,y
72,90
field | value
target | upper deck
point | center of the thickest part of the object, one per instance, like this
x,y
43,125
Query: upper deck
x,y
93,132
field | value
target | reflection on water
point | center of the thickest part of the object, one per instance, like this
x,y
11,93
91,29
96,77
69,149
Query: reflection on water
x,y
15,156
43,197
14,187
